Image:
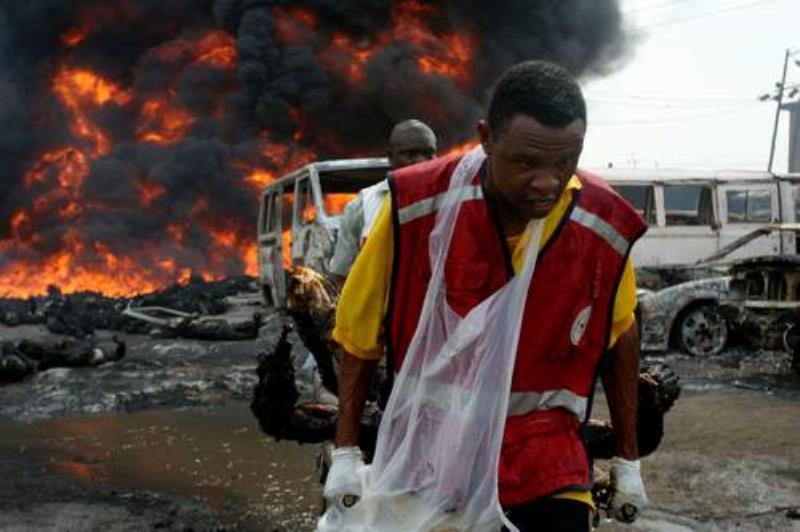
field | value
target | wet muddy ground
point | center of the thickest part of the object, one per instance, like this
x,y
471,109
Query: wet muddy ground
x,y
164,440
200,468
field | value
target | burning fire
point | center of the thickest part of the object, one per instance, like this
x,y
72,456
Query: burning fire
x,y
81,90
462,148
446,54
73,37
58,178
162,122
335,203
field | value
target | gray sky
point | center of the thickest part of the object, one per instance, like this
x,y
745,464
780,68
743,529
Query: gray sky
x,y
687,95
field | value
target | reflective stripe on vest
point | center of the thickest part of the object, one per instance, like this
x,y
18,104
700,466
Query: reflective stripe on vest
x,y
430,205
580,216
522,403
447,395
601,228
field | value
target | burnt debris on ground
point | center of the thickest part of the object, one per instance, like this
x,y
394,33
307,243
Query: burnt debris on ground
x,y
25,357
75,319
80,314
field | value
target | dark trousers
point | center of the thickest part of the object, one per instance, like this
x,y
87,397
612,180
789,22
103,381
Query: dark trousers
x,y
548,514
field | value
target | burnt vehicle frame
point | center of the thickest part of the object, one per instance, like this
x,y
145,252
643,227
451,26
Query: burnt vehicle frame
x,y
296,224
763,302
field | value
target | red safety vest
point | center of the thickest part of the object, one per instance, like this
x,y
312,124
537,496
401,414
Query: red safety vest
x,y
567,320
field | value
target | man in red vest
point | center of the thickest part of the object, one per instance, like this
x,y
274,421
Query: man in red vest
x,y
578,320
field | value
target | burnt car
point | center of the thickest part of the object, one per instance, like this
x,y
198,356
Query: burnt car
x,y
686,316
698,308
763,299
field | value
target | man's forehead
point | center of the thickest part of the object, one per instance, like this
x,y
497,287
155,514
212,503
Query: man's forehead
x,y
528,130
413,137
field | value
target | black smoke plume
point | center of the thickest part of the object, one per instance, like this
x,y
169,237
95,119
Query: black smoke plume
x,y
320,77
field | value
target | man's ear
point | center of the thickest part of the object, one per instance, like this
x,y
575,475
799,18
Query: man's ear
x,y
485,136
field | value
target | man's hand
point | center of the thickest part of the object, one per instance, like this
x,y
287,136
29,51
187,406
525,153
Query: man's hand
x,y
629,498
343,485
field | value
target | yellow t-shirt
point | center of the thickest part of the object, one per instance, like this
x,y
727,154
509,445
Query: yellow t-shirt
x,y
363,302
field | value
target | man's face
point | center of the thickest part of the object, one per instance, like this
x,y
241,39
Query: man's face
x,y
410,147
529,164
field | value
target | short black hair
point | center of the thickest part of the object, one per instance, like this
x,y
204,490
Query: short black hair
x,y
539,89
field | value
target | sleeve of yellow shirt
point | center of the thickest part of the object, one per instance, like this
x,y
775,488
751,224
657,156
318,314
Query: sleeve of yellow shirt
x,y
362,303
624,304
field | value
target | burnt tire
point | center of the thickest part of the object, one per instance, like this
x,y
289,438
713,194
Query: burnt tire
x,y
701,330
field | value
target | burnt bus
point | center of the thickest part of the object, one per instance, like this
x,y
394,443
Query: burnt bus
x,y
298,220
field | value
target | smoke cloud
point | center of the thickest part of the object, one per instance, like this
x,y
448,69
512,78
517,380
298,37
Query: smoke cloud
x,y
128,129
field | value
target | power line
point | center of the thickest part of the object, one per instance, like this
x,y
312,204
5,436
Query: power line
x,y
678,20
653,7
673,119
668,105
672,98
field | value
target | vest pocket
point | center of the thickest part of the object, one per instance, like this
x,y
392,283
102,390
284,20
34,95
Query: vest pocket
x,y
541,453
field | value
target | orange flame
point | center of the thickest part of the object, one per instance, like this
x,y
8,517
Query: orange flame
x,y
445,54
294,25
161,122
69,211
60,174
70,165
217,48
454,61
309,213
18,221
259,178
185,276
86,473
149,192
250,258
286,244
462,148
335,203
346,57
74,37
81,89
111,275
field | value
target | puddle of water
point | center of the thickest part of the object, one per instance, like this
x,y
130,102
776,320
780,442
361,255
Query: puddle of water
x,y
217,454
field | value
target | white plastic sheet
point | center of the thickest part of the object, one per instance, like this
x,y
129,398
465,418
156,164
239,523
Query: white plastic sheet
x,y
439,442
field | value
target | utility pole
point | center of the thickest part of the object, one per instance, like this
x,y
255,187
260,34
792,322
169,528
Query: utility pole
x,y
780,92
779,99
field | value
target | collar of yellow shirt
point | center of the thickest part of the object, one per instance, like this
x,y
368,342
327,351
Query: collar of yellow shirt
x,y
518,243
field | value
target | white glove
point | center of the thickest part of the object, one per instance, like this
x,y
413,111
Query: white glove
x,y
629,498
343,485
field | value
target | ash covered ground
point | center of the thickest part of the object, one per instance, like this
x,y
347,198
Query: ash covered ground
x,y
163,439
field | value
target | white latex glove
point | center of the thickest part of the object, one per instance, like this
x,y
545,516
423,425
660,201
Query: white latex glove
x,y
343,485
629,498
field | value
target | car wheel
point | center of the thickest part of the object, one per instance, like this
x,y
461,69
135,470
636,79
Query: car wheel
x,y
702,331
